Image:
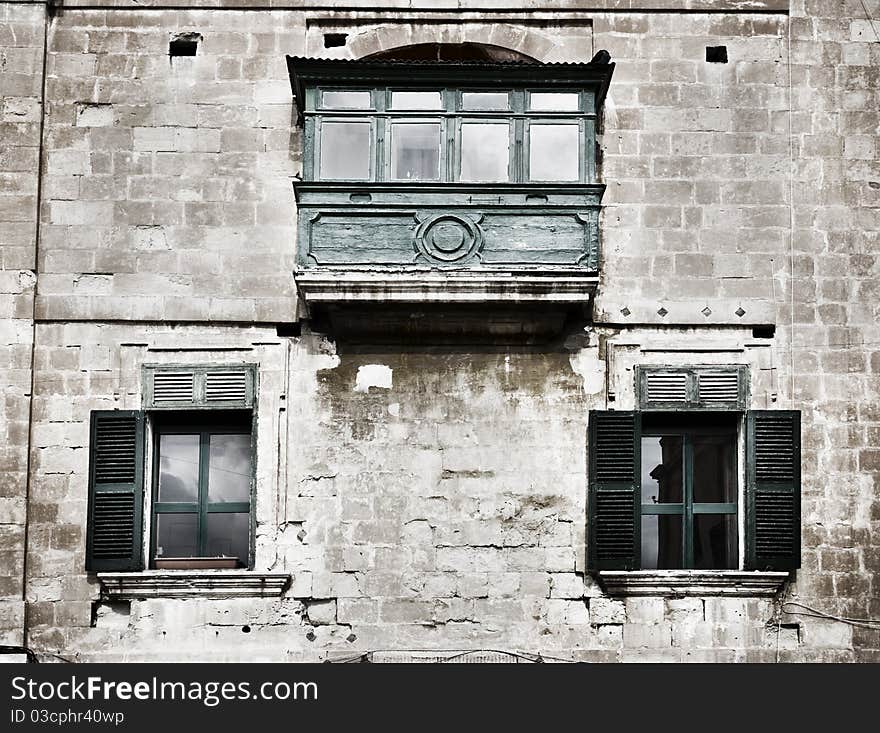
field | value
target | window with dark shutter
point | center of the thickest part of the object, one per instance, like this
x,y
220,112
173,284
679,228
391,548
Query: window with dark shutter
x,y
613,490
116,458
773,501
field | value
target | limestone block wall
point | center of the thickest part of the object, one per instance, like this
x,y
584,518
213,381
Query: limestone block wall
x,y
21,60
831,314
168,181
420,500
434,498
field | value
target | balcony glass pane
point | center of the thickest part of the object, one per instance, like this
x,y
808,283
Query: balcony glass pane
x,y
178,468
715,541
177,535
553,152
554,101
228,535
415,151
229,468
416,100
714,468
346,100
661,541
662,469
345,151
484,101
484,151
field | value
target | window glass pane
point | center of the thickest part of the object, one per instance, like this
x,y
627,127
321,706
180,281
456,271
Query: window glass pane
x,y
178,468
714,468
715,541
415,151
662,469
177,535
229,468
416,100
553,152
661,541
484,100
484,151
345,150
554,101
346,100
228,535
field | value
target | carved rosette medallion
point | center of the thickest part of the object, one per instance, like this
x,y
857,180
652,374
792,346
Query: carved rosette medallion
x,y
448,238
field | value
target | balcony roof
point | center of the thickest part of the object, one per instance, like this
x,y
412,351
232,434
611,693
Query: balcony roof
x,y
309,72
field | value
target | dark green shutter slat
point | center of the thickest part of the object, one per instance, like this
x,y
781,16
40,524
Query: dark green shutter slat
x,y
614,510
116,495
773,501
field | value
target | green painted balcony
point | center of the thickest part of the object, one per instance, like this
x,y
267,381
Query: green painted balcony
x,y
448,183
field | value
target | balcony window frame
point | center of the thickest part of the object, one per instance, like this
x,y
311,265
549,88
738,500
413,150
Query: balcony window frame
x,y
450,116
511,148
343,119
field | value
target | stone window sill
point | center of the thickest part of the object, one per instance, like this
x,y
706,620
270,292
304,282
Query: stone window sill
x,y
678,583
192,584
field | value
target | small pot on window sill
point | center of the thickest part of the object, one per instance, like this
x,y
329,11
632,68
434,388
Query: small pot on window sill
x,y
197,563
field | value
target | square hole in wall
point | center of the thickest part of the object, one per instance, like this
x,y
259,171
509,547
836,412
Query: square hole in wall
x,y
334,40
716,54
184,44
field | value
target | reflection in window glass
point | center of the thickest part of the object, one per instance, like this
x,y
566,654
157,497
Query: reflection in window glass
x,y
714,468
484,100
484,151
229,468
661,469
228,535
179,468
661,541
346,100
554,101
177,535
345,150
415,151
553,152
416,100
715,541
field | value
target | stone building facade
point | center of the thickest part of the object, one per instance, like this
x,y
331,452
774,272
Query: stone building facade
x,y
422,496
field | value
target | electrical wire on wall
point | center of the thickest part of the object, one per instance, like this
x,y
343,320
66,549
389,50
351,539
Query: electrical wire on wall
x,y
454,656
785,607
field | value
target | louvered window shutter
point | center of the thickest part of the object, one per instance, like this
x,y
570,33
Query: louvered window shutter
x,y
773,501
614,506
116,496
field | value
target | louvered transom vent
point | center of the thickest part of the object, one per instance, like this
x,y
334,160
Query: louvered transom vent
x,y
776,531
693,387
228,386
173,387
614,525
115,450
718,386
666,386
113,522
776,452
614,447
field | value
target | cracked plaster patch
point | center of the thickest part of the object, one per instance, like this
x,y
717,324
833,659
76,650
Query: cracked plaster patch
x,y
372,375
